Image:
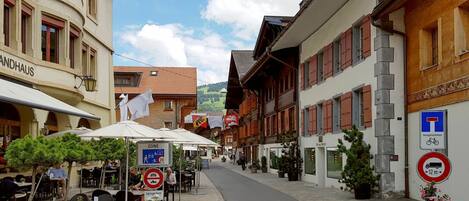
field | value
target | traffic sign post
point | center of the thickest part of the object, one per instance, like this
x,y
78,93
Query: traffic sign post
x,y
153,178
433,130
434,167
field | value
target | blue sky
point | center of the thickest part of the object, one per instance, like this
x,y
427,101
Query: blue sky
x,y
199,33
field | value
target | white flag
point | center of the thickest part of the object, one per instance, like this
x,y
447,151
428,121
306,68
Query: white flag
x,y
123,108
139,106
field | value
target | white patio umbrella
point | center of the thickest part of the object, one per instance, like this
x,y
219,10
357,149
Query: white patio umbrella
x,y
76,131
128,130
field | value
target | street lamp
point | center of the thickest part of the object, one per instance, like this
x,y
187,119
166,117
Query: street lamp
x,y
90,82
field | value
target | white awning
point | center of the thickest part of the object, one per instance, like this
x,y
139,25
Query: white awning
x,y
18,94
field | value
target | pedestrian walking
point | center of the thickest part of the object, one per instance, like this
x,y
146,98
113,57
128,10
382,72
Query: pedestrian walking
x,y
242,159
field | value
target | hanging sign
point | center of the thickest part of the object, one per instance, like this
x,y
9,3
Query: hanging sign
x,y
153,195
231,120
434,167
153,178
154,154
433,129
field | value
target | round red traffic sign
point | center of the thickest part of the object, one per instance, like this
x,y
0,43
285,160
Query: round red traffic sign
x,y
153,178
434,167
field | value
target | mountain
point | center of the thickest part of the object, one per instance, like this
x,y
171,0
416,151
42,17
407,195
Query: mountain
x,y
210,99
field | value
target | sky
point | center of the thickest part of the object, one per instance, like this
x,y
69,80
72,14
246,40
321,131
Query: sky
x,y
197,33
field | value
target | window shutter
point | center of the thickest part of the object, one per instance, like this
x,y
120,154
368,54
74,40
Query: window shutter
x,y
313,69
346,111
347,49
313,119
279,123
327,116
302,76
366,27
287,120
367,105
302,122
328,61
342,51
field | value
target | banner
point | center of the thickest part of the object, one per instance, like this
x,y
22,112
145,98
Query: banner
x,y
231,120
200,121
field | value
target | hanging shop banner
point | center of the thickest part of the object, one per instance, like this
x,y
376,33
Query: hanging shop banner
x,y
200,121
154,154
433,129
231,120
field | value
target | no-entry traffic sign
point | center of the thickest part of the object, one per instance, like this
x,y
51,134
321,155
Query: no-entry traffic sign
x,y
153,178
434,167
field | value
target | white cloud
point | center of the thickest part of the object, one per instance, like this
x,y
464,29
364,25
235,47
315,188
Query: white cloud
x,y
245,16
175,45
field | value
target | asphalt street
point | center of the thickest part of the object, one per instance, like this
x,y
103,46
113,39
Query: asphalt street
x,y
236,187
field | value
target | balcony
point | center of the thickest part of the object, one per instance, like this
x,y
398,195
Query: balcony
x,y
286,99
269,107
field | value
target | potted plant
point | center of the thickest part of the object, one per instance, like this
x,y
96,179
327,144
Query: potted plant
x,y
255,166
430,192
292,157
264,164
281,167
358,173
223,159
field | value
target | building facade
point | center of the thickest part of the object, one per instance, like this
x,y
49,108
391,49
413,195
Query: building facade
x,y
272,78
174,92
53,49
348,76
437,68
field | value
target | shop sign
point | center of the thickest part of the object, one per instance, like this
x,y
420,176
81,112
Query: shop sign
x,y
15,64
154,154
231,120
433,129
153,195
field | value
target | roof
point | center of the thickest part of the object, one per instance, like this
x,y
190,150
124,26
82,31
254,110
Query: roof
x,y
169,80
271,26
243,61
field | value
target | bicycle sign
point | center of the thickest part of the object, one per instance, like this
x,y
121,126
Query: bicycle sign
x,y
433,129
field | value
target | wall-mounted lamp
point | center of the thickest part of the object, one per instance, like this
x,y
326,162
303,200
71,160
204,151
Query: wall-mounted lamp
x,y
90,82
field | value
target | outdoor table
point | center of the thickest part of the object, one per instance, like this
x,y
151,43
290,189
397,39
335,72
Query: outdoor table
x,y
135,192
23,184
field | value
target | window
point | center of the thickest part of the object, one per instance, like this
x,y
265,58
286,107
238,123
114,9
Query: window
x,y
320,66
168,124
461,29
357,43
334,163
84,59
319,118
306,74
310,161
306,122
429,46
92,8
336,57
73,46
291,119
358,113
93,70
292,80
153,73
336,115
50,43
26,26
168,105
7,9
274,123
282,121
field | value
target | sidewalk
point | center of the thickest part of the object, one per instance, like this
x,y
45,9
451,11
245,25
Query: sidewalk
x,y
207,192
301,191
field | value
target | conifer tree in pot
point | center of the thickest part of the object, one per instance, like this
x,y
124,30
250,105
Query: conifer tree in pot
x,y
281,167
358,173
292,157
264,164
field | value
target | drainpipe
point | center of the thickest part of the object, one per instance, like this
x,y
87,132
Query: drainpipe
x,y
406,121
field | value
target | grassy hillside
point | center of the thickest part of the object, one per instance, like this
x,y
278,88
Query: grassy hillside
x,y
209,98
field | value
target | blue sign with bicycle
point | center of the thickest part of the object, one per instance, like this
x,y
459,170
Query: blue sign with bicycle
x,y
433,129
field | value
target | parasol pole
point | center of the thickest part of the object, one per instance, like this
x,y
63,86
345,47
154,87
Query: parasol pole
x,y
126,168
181,153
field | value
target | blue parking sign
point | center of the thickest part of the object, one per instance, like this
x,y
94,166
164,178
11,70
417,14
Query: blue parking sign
x,y
432,122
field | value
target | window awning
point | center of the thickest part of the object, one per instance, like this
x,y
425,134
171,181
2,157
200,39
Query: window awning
x,y
18,94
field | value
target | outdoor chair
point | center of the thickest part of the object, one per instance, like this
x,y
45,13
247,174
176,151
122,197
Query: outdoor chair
x,y
80,197
19,177
7,188
105,197
169,189
187,182
99,192
88,179
120,196
45,191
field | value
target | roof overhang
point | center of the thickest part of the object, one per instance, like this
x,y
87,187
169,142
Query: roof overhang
x,y
306,22
385,7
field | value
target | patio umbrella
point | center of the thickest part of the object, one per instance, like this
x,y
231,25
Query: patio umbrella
x,y
76,131
128,130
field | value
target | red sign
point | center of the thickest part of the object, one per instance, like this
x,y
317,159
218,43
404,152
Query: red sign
x,y
200,121
231,120
434,167
153,178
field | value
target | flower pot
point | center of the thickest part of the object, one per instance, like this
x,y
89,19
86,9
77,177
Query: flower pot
x,y
253,170
281,174
293,176
264,169
362,192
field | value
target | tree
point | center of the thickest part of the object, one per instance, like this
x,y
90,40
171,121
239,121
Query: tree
x,y
358,172
178,155
75,150
292,156
106,150
32,153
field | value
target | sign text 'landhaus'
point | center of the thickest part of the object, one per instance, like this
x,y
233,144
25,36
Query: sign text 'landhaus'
x,y
12,64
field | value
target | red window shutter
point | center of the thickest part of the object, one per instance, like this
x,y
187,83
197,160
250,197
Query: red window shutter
x,y
10,2
348,48
366,27
346,111
328,116
328,61
287,120
313,119
279,123
302,76
313,69
302,122
367,105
